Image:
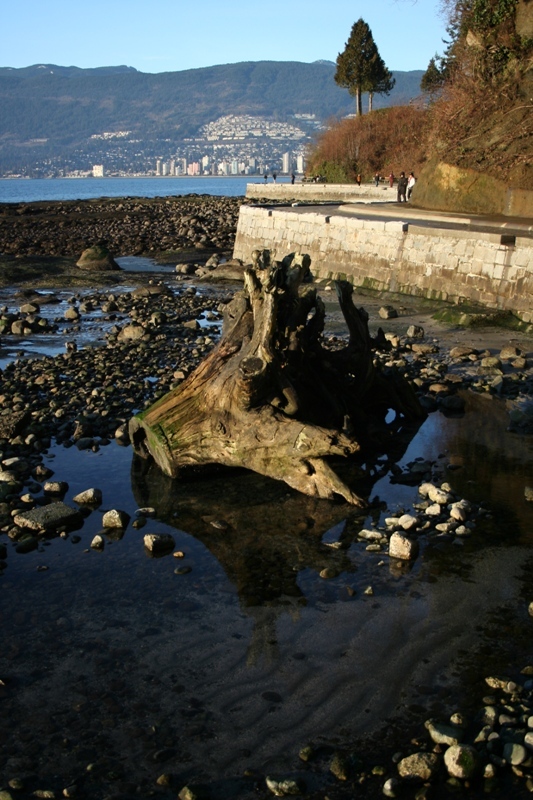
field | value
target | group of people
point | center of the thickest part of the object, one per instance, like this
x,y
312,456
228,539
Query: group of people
x,y
405,184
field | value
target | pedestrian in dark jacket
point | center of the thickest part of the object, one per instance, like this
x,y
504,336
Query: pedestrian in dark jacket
x,y
402,188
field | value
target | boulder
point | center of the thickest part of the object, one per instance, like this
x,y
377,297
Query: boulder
x,y
97,258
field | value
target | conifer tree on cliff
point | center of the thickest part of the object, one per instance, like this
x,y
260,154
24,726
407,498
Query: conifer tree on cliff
x,y
360,68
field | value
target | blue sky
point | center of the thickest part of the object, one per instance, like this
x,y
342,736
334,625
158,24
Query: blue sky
x,y
171,35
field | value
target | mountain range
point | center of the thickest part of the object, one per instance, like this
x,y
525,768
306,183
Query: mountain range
x,y
50,111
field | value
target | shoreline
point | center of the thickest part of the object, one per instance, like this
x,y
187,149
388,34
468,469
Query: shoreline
x,y
97,669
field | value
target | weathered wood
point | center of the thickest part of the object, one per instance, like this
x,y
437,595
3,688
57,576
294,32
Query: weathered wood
x,y
270,397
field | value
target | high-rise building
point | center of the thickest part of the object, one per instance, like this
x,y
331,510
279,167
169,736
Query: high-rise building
x,y
300,164
98,171
286,163
158,167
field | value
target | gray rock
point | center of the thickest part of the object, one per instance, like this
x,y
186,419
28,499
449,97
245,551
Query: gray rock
x,y
159,542
408,522
444,734
491,362
419,766
452,403
284,787
32,308
528,740
132,332
115,518
435,494
72,314
90,497
97,258
387,312
55,487
508,352
47,518
415,332
462,761
514,753
402,548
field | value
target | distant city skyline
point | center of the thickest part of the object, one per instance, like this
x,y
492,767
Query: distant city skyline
x,y
175,35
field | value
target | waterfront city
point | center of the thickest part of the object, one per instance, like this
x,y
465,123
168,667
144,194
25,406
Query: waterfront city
x,y
231,145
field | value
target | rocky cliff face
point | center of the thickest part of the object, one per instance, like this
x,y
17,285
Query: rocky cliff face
x,y
483,132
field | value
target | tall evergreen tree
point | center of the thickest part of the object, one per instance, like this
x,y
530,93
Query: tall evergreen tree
x,y
360,68
433,78
382,80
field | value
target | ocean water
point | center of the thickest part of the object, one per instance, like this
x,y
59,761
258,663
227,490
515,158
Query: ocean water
x,y
22,190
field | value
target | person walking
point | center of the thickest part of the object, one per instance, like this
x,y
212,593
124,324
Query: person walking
x,y
402,188
391,179
376,178
410,183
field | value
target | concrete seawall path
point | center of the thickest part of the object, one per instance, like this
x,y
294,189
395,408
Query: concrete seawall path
x,y
385,245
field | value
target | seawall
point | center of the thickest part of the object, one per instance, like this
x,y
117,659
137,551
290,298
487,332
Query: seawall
x,y
380,249
321,192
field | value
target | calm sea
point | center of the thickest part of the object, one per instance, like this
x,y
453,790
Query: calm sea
x,y
30,191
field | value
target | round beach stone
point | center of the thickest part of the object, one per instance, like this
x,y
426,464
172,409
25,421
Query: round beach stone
x,y
419,766
462,761
515,754
444,734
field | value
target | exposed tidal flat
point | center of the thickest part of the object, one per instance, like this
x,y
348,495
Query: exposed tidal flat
x,y
279,646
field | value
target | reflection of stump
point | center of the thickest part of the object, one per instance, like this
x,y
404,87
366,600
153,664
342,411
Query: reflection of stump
x,y
270,397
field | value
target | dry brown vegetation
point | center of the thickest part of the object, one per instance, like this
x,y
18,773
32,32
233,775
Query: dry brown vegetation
x,y
486,123
482,118
391,139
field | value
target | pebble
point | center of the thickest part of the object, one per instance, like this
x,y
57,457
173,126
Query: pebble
x,y
98,542
284,787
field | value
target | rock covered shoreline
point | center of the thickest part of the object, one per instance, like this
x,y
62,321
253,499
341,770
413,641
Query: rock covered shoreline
x,y
126,226
83,399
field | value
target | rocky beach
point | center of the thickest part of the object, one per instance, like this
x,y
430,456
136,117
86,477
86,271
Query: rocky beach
x,y
226,637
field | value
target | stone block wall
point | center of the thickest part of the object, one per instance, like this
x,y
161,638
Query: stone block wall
x,y
320,192
455,265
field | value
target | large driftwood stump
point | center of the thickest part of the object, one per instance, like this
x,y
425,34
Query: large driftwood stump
x,y
271,397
